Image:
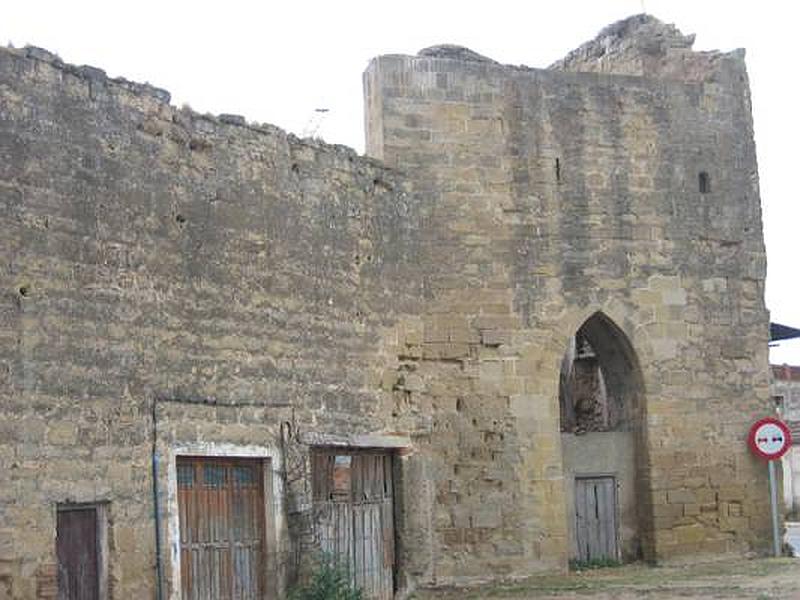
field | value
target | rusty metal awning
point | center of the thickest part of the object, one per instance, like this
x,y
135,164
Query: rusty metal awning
x,y
782,332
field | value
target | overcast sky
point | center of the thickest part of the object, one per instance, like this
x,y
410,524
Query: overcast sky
x,y
278,61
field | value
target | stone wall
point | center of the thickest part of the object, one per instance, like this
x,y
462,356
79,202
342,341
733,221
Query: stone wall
x,y
176,281
230,274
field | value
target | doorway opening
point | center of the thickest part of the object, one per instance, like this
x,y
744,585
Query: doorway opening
x,y
81,550
222,527
354,515
596,519
601,415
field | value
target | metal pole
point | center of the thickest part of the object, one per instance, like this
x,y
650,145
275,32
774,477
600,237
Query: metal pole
x,y
773,497
156,506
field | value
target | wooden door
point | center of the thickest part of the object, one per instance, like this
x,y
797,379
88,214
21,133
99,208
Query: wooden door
x,y
77,551
596,518
221,511
354,512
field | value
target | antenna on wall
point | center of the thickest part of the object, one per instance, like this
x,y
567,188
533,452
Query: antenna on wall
x,y
315,122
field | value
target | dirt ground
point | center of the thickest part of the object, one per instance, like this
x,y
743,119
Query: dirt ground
x,y
757,579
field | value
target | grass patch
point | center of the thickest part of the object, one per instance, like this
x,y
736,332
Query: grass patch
x,y
595,563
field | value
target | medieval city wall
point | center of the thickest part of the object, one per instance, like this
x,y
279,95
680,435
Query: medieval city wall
x,y
223,283
182,283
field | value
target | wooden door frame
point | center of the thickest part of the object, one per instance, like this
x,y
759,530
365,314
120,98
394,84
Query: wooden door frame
x,y
228,463
273,522
101,512
392,454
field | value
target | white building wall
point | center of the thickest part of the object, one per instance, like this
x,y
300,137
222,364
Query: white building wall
x,y
786,392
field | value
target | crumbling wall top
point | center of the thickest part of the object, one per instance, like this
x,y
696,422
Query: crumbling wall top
x,y
454,52
158,105
639,33
644,46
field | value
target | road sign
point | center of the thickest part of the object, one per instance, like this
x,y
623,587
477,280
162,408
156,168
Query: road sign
x,y
769,438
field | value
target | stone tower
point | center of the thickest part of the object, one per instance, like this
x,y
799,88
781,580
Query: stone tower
x,y
613,196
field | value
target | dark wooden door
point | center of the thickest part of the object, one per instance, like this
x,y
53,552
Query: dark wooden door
x,y
354,512
221,511
77,552
596,518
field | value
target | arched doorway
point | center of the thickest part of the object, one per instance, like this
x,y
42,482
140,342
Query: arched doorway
x,y
601,399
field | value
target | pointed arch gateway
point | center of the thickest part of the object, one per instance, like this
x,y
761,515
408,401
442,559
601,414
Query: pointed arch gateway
x,y
603,435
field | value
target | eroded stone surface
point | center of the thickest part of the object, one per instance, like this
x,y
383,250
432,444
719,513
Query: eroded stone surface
x,y
255,291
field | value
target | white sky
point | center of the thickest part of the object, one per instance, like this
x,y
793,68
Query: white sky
x,y
277,61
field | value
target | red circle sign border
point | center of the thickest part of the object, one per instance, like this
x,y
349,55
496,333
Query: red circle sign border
x,y
787,436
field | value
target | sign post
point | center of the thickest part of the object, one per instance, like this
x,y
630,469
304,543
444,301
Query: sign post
x,y
769,439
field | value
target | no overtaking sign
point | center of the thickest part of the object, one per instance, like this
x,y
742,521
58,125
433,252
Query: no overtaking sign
x,y
769,438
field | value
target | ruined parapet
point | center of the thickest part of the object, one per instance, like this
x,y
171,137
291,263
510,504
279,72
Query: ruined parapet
x,y
454,52
645,46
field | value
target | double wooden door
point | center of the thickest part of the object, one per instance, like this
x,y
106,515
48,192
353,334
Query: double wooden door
x,y
221,507
354,516
596,518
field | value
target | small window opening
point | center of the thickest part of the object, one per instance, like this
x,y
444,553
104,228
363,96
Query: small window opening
x,y
558,170
704,182
777,401
340,488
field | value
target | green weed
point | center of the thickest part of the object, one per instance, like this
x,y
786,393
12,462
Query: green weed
x,y
330,581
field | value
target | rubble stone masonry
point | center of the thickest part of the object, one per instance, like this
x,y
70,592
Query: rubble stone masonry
x,y
171,279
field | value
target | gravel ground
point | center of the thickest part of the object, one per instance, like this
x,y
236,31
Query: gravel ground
x,y
757,579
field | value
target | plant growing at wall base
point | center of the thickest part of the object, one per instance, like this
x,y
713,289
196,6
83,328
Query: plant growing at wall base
x,y
330,580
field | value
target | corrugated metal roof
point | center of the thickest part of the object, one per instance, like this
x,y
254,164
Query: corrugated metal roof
x,y
782,332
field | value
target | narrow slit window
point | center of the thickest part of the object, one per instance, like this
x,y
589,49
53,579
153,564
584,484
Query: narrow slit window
x,y
704,182
558,170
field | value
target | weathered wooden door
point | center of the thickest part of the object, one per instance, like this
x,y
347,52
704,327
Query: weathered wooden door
x,y
354,511
77,551
221,508
596,518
